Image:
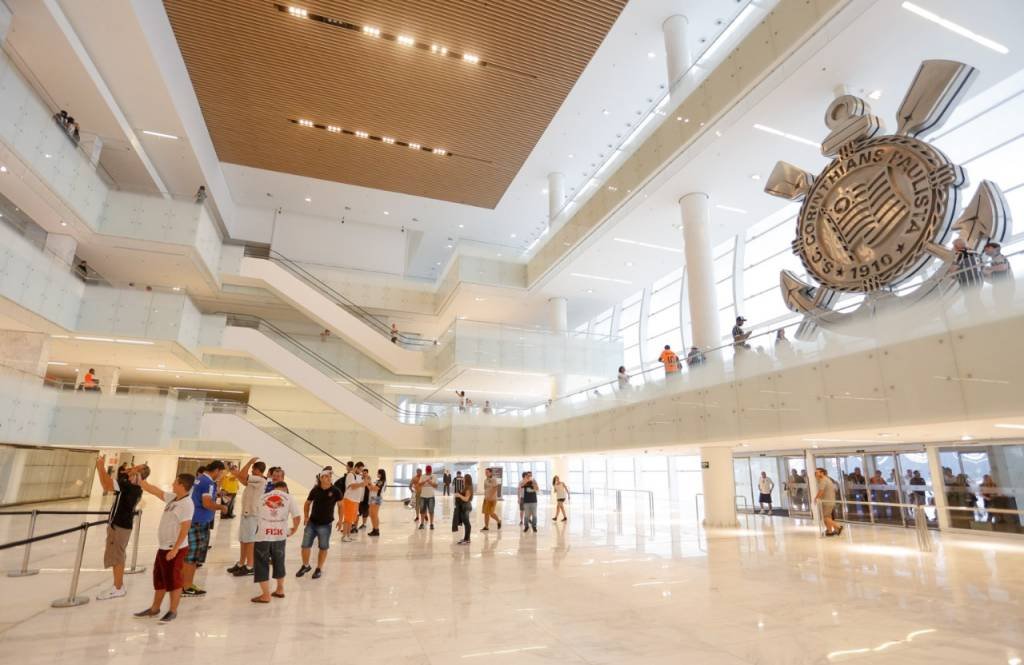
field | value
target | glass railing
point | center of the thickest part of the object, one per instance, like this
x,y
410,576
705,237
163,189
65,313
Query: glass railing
x,y
404,340
330,369
282,433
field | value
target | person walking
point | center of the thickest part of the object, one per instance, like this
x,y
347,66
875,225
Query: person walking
x,y
826,497
519,493
204,500
273,532
530,490
127,492
765,486
354,485
446,482
414,489
428,488
561,491
491,488
250,475
317,516
172,544
377,500
670,360
464,506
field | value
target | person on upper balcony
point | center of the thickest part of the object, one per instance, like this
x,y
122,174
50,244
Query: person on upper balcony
x,y
740,336
999,272
967,268
623,378
670,360
694,358
394,333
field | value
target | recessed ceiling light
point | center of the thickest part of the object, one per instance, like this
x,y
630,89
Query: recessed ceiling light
x,y
605,111
755,176
651,54
629,264
1009,426
305,123
386,212
470,58
966,437
309,200
600,278
449,246
462,226
48,155
415,146
160,135
3,169
875,95
590,290
499,255
571,155
361,134
63,223
161,366
664,248
740,211
405,40
511,235
371,31
438,263
718,133
679,117
786,135
440,151
175,288
334,129
434,48
955,27
388,140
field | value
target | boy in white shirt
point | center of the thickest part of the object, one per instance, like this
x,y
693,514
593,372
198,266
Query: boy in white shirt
x,y
272,533
172,538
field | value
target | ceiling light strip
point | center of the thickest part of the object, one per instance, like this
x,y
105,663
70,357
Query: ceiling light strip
x,y
955,28
386,140
404,41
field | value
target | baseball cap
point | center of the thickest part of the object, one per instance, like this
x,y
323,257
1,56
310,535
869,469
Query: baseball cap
x,y
740,319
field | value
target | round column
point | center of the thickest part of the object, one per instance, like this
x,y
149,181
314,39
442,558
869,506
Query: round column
x,y
677,49
719,487
558,323
700,270
556,194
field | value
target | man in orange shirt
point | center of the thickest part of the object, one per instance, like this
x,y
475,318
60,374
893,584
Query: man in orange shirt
x,y
670,360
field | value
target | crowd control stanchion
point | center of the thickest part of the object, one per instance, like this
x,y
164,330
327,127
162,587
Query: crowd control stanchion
x,y
24,570
618,501
136,568
73,600
924,539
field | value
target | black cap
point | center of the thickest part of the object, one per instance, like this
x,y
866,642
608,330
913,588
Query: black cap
x,y
740,319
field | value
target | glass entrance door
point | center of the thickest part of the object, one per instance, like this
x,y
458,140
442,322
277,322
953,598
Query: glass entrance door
x,y
795,491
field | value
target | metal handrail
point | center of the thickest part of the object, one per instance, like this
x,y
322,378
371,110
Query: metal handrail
x,y
339,299
246,320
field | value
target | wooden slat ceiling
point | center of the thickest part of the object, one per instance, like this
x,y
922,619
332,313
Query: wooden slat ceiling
x,y
254,67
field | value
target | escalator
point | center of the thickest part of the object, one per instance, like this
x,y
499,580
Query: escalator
x,y
293,283
309,370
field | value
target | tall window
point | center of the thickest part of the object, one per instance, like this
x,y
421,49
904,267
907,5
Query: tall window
x,y
663,321
767,252
723,267
629,330
603,323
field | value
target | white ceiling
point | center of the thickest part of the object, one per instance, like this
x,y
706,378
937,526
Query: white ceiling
x,y
863,58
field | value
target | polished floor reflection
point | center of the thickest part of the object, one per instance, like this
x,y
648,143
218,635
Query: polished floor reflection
x,y
602,588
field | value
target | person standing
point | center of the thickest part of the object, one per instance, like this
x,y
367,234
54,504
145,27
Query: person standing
x,y
275,509
967,268
999,272
519,493
464,506
530,489
250,475
765,486
377,500
89,381
740,336
414,490
694,358
317,516
354,485
826,497
561,491
364,505
670,360
204,500
457,483
121,520
623,378
229,490
446,482
428,488
491,488
394,333
172,539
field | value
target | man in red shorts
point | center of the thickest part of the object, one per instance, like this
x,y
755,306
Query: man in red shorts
x,y
172,538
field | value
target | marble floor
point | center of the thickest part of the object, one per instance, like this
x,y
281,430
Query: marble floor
x,y
601,588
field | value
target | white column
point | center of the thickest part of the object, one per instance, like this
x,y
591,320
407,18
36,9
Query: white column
x,y
719,487
62,246
558,321
700,270
677,49
556,194
938,490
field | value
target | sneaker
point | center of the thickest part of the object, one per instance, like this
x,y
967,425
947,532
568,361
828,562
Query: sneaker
x,y
362,526
374,533
526,529
243,571
535,529
431,526
354,529
499,525
303,569
112,592
234,569
422,526
554,519
565,519
463,542
317,574
193,592
169,616
485,529
347,538
146,613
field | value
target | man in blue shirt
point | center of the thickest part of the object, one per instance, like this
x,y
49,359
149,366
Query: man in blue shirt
x,y
204,498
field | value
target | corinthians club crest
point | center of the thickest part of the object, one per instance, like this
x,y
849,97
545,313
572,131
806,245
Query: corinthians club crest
x,y
881,212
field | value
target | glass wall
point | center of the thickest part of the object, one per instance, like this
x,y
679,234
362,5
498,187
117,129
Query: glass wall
x,y
629,330
32,475
984,486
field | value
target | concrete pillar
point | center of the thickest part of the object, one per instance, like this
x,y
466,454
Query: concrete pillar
x,y
558,322
62,246
556,195
719,487
677,48
935,470
700,270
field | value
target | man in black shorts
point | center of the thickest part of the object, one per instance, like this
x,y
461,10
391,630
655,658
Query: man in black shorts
x,y
127,493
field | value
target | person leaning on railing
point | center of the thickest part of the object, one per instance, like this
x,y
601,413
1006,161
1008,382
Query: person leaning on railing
x,y
999,272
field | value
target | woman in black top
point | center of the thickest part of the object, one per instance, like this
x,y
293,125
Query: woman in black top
x,y
376,499
464,505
